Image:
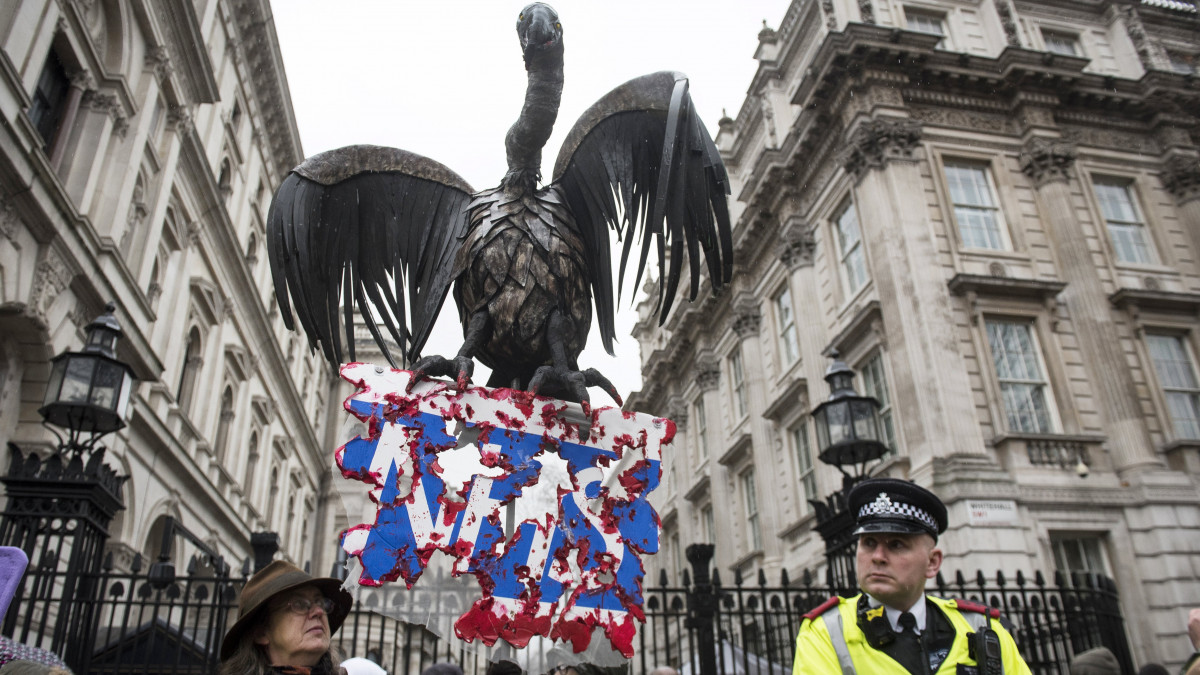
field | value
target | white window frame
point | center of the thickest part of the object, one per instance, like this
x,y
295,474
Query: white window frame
x,y
750,504
1180,386
701,428
737,383
914,18
708,520
1006,383
875,383
1125,253
852,256
995,233
1054,41
785,316
1088,547
805,467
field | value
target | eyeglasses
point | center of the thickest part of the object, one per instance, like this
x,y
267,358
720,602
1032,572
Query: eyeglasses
x,y
305,605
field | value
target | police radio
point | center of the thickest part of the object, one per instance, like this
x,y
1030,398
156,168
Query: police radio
x,y
983,647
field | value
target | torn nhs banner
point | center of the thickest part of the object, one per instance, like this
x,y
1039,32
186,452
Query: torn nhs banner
x,y
571,566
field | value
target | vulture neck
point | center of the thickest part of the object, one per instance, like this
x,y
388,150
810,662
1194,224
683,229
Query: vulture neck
x,y
528,135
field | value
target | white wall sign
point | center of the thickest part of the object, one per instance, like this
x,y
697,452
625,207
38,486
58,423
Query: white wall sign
x,y
992,512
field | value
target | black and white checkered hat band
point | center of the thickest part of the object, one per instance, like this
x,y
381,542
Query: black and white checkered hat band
x,y
884,507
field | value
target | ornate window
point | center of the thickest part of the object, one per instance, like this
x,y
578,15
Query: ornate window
x,y
789,344
1126,226
1058,42
926,22
707,522
1177,377
980,223
1023,387
224,423
251,465
875,384
850,249
701,428
49,100
750,502
804,464
737,381
192,360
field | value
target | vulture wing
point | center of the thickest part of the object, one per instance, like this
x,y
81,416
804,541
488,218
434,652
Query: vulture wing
x,y
351,228
638,157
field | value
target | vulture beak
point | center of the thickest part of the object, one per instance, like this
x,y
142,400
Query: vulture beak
x,y
539,30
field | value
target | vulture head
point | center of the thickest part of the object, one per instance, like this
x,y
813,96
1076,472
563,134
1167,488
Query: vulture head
x,y
539,31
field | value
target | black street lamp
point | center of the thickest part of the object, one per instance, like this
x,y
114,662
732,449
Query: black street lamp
x,y
848,434
848,430
88,392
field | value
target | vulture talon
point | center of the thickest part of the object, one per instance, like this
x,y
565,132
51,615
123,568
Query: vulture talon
x,y
428,367
573,382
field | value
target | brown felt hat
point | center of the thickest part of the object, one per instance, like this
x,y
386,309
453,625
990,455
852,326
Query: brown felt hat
x,y
269,582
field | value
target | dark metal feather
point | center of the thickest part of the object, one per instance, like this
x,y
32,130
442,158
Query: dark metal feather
x,y
367,228
644,142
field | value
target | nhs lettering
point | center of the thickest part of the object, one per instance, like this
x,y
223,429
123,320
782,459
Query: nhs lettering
x,y
572,569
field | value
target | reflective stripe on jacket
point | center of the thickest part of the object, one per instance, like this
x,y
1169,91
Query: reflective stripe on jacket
x,y
817,649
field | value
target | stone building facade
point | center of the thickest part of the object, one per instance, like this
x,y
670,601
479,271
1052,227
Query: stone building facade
x,y
140,145
991,210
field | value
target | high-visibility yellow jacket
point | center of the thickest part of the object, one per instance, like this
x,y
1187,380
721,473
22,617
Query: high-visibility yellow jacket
x,y
816,654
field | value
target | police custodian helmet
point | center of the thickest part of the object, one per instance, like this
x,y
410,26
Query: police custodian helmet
x,y
896,506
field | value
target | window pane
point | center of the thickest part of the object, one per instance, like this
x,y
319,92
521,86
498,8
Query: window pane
x,y
854,263
1125,226
739,384
875,385
975,208
1022,385
750,496
789,346
1061,43
1177,377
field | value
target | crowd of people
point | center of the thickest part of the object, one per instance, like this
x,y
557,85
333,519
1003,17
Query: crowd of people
x,y
286,618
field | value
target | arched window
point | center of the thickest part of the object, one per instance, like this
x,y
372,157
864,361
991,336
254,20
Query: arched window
x,y
273,497
223,425
251,465
225,178
252,250
192,360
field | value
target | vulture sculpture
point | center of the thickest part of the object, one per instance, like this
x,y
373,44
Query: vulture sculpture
x,y
388,232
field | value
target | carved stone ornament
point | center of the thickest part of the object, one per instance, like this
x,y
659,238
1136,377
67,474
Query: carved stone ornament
x,y
677,412
159,59
1137,34
51,277
1046,160
830,17
797,249
747,320
8,221
104,103
876,142
179,118
82,80
1181,177
867,11
193,233
121,125
708,374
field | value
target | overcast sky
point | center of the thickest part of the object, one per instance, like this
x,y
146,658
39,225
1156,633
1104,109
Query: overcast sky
x,y
445,79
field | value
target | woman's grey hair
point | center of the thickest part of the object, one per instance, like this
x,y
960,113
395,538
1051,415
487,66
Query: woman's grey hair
x,y
249,659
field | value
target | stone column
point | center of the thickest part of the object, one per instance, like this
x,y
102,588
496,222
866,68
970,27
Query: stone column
x,y
1048,163
934,400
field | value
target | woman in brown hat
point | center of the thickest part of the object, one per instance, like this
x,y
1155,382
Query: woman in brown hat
x,y
285,620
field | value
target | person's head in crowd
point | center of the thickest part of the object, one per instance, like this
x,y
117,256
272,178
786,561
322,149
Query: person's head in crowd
x,y
286,618
898,527
503,667
360,666
1153,669
443,669
1098,661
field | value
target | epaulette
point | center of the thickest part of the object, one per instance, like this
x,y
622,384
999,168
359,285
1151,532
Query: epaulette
x,y
823,607
968,606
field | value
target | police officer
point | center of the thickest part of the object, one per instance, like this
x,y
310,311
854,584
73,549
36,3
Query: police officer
x,y
892,627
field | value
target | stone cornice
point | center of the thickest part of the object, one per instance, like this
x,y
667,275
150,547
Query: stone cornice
x,y
707,370
265,63
189,59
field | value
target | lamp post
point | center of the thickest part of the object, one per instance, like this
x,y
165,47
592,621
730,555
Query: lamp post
x,y
88,391
59,507
848,435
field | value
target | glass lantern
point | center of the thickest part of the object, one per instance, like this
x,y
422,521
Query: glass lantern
x,y
88,391
848,430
